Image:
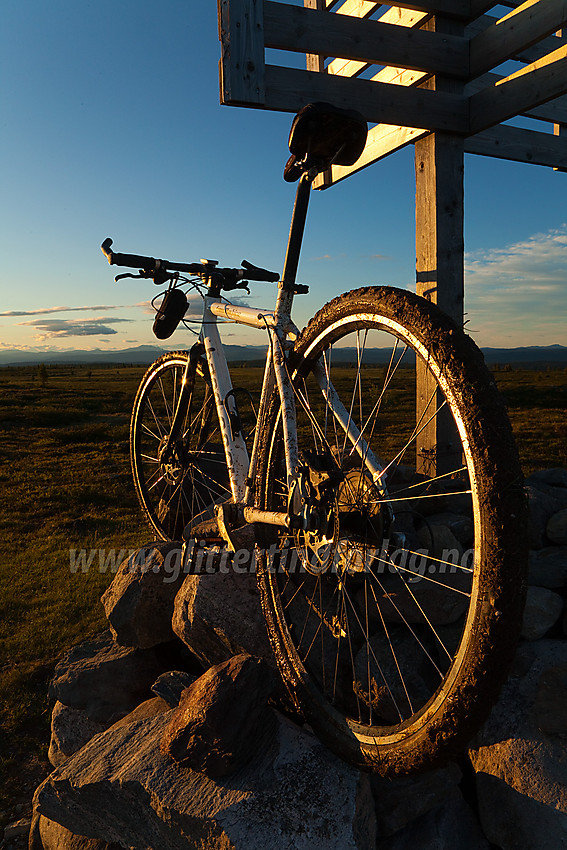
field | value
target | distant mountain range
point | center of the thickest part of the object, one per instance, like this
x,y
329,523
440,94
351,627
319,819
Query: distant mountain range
x,y
529,355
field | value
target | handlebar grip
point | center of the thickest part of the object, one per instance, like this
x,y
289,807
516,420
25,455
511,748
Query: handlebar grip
x,y
135,261
256,273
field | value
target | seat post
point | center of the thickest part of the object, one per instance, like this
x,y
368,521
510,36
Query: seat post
x,y
296,230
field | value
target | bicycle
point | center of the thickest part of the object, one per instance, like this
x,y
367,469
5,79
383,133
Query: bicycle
x,y
392,596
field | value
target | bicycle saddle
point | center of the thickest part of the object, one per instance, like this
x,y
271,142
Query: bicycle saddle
x,y
325,134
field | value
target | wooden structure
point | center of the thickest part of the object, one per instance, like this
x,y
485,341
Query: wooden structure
x,y
433,73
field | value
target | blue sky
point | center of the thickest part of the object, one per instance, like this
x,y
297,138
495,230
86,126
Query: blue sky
x,y
111,126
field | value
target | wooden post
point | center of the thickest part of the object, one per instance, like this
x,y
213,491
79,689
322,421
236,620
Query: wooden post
x,y
439,173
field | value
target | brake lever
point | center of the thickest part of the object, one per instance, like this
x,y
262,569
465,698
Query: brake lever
x,y
128,274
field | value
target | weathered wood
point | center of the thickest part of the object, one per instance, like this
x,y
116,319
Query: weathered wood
x,y
528,54
515,32
288,89
400,17
554,111
514,143
502,142
308,31
315,61
459,9
241,34
533,85
439,220
355,8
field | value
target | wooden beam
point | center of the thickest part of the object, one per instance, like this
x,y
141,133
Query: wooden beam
x,y
514,143
242,51
503,142
533,85
308,31
383,139
453,8
524,26
315,61
400,17
288,89
554,111
356,8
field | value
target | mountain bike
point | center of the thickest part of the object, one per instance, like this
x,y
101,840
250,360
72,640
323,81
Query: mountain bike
x,y
391,576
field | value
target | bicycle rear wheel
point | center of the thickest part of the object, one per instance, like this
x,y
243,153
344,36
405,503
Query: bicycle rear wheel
x,y
394,618
182,485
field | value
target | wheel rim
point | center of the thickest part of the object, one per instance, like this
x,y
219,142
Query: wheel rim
x,y
177,485
381,641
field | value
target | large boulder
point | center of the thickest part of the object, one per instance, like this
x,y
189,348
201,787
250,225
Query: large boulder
x,y
219,615
139,602
556,528
199,735
293,793
543,609
450,826
400,800
543,502
519,756
548,567
104,679
71,729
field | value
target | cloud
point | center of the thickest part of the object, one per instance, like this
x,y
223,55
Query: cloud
x,y
58,328
46,310
517,294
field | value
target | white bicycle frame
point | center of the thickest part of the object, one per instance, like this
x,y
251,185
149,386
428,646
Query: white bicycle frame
x,y
282,331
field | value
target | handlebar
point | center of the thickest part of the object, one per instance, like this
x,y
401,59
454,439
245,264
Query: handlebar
x,y
151,267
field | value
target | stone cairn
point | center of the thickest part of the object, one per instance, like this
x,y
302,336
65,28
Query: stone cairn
x,y
165,733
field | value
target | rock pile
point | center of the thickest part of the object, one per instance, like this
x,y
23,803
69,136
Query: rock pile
x,y
144,756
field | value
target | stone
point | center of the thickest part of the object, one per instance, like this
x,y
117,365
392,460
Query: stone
x,y
219,615
71,728
548,567
50,835
556,477
293,793
519,755
17,829
139,602
459,525
542,611
147,709
199,734
104,679
402,799
542,506
450,826
169,686
556,529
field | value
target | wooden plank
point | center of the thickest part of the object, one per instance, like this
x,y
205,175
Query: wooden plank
x,y
307,31
519,145
400,17
502,142
524,26
453,8
554,111
288,89
356,8
533,85
241,34
529,54
315,61
383,139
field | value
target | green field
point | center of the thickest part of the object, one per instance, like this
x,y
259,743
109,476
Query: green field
x,y
65,485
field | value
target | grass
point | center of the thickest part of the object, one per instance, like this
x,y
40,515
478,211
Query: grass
x,y
65,484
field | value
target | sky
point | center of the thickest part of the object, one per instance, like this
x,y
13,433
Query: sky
x,y
111,126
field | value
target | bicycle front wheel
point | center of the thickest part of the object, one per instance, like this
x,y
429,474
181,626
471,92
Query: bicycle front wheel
x,y
180,484
394,614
